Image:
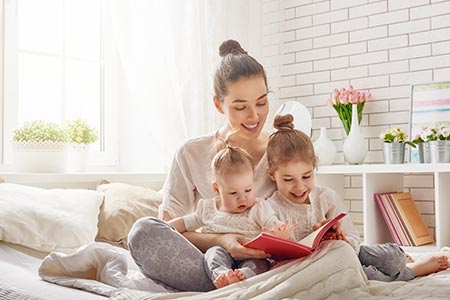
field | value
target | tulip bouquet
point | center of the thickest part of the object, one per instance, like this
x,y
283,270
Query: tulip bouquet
x,y
342,102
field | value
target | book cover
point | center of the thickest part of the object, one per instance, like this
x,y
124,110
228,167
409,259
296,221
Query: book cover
x,y
412,219
387,219
396,220
402,225
284,249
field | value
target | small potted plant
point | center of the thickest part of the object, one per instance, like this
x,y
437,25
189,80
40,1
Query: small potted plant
x,y
80,136
438,138
393,144
40,146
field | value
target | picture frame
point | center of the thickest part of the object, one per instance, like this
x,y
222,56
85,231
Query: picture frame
x,y
430,106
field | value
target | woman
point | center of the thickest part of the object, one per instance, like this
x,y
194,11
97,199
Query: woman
x,y
240,87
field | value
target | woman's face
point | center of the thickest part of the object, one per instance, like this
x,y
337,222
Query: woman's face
x,y
246,106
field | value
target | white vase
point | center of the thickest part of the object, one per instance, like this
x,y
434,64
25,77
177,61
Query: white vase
x,y
78,156
325,149
355,146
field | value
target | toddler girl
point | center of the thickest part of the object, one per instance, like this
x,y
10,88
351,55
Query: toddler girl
x,y
235,210
291,164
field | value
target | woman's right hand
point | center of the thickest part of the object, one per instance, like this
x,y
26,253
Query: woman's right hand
x,y
233,244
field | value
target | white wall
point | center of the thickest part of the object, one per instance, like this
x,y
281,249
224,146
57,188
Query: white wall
x,y
311,47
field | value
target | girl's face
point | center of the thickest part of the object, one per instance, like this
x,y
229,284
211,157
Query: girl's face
x,y
236,190
245,107
295,180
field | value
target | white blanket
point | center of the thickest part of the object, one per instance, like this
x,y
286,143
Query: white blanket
x,y
99,268
332,272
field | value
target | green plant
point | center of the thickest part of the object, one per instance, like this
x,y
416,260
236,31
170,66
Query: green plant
x,y
80,132
40,131
395,135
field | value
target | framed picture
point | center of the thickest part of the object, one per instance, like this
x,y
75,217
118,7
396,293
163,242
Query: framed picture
x,y
430,106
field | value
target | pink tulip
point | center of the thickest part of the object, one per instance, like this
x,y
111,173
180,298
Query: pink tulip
x,y
330,103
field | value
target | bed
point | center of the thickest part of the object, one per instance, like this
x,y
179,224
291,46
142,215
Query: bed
x,y
102,268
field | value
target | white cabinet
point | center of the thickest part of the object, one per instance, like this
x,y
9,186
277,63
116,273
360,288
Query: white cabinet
x,y
385,178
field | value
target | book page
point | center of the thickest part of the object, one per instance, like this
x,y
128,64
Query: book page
x,y
313,239
309,239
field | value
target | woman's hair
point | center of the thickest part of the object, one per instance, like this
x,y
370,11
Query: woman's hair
x,y
235,63
230,158
289,144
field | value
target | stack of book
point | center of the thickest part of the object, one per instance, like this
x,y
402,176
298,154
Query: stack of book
x,y
403,220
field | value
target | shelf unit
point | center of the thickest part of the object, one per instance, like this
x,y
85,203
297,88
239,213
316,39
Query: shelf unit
x,y
384,178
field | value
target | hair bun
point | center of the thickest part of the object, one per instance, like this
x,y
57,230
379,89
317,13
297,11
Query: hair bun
x,y
230,47
283,122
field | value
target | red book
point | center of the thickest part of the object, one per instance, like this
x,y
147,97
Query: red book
x,y
284,249
387,219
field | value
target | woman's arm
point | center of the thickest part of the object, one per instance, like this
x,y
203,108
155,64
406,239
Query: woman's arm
x,y
230,242
179,224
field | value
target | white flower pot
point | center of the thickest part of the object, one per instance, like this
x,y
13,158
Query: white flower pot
x,y
40,157
78,157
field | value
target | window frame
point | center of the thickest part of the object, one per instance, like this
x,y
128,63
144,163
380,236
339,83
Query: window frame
x,y
104,159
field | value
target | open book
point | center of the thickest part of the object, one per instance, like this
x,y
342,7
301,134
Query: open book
x,y
284,249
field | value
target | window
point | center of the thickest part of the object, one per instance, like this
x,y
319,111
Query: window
x,y
58,67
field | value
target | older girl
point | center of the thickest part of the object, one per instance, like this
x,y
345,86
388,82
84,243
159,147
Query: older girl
x,y
292,161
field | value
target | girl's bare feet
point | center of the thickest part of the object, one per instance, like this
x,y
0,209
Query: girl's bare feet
x,y
429,264
228,278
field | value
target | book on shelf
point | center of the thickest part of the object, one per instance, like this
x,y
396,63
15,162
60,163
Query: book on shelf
x,y
281,248
395,220
387,216
403,219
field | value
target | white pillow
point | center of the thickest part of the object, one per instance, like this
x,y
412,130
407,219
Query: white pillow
x,y
48,220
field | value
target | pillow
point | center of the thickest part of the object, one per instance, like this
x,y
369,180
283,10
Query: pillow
x,y
48,219
122,206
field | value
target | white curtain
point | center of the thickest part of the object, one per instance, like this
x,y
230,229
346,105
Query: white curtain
x,y
168,50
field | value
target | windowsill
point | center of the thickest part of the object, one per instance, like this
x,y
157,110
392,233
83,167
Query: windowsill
x,y
83,179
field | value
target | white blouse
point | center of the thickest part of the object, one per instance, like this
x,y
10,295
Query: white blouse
x,y
190,177
325,204
248,223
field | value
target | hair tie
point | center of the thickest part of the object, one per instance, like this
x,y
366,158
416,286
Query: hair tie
x,y
285,128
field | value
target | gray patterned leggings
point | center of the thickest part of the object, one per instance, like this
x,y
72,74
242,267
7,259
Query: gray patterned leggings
x,y
385,262
164,255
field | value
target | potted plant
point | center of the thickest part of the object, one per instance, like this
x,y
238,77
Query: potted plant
x,y
40,146
393,144
438,138
80,137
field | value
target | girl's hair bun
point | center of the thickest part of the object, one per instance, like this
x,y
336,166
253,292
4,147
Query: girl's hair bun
x,y
231,47
283,122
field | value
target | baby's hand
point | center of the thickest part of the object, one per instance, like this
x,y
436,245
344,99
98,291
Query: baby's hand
x,y
280,230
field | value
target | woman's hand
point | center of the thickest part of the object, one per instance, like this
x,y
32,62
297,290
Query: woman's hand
x,y
233,244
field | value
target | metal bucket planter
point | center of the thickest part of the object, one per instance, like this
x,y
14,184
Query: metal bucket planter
x,y
424,152
439,151
393,153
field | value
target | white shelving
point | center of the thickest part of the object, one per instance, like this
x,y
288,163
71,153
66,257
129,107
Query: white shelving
x,y
385,178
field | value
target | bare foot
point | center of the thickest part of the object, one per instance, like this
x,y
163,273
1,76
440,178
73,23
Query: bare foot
x,y
239,275
228,278
409,259
429,264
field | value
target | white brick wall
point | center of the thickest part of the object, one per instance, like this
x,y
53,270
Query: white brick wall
x,y
381,45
